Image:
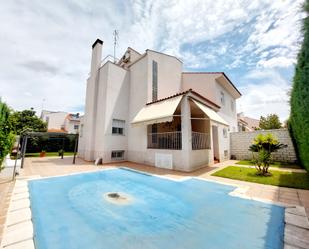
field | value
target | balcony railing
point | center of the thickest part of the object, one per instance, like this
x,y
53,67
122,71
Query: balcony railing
x,y
165,140
200,141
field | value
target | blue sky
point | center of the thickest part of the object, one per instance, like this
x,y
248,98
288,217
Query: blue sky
x,y
45,47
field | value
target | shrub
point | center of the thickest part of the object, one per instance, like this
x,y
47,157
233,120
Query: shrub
x,y
263,146
7,138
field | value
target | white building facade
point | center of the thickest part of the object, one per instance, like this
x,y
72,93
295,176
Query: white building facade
x,y
61,121
145,109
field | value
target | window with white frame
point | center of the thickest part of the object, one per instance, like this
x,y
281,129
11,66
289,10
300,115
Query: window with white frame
x,y
118,127
154,81
117,154
232,105
225,132
222,98
76,127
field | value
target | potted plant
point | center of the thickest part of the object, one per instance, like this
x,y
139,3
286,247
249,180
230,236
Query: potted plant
x,y
43,153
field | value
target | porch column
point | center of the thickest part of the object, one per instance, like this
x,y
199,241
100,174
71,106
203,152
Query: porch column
x,y
186,133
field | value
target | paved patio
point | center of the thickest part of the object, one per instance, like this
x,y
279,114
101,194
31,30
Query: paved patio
x,y
54,166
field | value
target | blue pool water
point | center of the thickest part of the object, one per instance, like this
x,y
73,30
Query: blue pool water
x,y
71,212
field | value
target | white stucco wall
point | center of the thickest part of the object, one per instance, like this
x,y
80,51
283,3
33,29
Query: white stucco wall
x,y
226,112
55,119
113,88
205,84
169,74
208,86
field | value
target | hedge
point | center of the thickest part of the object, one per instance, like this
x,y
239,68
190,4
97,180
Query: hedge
x,y
299,118
6,136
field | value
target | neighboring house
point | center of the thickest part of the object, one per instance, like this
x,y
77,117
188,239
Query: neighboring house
x,y
61,121
246,123
145,109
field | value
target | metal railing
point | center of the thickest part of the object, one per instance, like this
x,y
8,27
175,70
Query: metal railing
x,y
200,141
165,140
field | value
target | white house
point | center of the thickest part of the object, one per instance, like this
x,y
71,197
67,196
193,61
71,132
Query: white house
x,y
61,121
145,109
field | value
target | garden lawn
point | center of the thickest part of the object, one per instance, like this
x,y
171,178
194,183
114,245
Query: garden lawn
x,y
49,154
278,178
274,164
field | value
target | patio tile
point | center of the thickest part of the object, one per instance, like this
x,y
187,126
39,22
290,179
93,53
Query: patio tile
x,y
16,205
299,221
20,190
18,233
289,195
296,236
19,216
289,201
27,244
20,196
300,211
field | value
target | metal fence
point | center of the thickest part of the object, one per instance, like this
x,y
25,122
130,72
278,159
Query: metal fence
x,y
165,140
200,141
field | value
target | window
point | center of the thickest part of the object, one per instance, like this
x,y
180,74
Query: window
x,y
76,127
232,105
222,98
226,154
118,126
47,120
225,132
154,81
118,154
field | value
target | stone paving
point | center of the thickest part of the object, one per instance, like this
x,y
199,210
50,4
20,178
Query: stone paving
x,y
19,229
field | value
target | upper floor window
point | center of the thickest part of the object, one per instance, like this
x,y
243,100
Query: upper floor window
x,y
154,81
76,127
222,98
225,132
118,126
232,105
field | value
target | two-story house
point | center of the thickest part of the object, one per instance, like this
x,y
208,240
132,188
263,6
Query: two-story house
x,y
145,109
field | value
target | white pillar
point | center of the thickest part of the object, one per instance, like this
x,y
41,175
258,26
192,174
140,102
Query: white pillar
x,y
96,56
91,101
186,133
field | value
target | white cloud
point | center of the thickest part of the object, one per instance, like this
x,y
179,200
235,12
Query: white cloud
x,y
269,96
277,62
45,48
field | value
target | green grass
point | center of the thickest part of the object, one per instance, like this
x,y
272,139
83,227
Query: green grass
x,y
278,178
48,154
274,164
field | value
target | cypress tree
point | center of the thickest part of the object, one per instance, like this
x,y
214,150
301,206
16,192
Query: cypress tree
x,y
299,117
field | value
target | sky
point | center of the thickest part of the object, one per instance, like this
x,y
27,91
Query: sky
x,y
45,46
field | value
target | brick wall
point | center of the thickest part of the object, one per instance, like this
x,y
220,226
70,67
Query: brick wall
x,y
240,142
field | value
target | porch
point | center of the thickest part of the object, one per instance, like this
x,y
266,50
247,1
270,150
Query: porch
x,y
178,133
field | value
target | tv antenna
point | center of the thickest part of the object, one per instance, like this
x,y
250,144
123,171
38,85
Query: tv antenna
x,y
115,34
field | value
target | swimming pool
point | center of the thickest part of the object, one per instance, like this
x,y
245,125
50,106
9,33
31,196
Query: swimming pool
x,y
75,212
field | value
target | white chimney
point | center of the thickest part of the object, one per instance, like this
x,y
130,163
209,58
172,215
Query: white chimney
x,y
96,56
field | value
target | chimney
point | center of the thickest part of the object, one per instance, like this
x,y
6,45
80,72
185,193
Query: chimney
x,y
96,56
